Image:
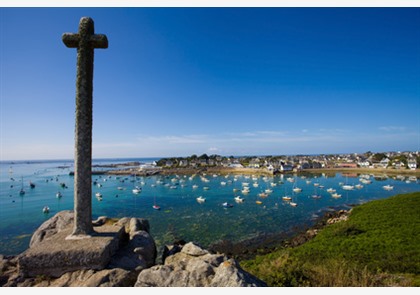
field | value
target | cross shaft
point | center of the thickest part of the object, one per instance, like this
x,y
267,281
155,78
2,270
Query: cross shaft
x,y
85,41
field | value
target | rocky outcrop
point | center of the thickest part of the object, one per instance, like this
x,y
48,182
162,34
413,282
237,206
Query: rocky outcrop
x,y
194,266
132,264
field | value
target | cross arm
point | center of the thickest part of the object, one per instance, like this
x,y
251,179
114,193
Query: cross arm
x,y
99,41
71,40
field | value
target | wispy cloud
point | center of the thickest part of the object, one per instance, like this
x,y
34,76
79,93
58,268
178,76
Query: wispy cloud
x,y
393,128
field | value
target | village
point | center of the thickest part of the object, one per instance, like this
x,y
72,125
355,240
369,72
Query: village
x,y
388,160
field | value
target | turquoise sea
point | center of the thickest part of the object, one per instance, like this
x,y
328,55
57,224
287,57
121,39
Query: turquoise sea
x,y
181,216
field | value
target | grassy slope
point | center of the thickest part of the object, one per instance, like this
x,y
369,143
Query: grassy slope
x,y
378,246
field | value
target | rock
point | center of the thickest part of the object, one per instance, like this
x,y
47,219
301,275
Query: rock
x,y
90,278
194,266
52,226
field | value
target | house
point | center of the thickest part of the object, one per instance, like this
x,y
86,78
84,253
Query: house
x,y
286,167
364,164
412,164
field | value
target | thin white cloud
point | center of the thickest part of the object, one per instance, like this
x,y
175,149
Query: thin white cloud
x,y
393,128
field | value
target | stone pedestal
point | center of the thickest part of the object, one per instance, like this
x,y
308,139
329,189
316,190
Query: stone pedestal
x,y
55,255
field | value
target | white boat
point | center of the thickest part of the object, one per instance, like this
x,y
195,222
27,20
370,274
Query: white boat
x,y
227,205
297,190
263,195
268,191
46,209
238,199
347,187
200,199
58,195
245,190
358,186
331,190
335,195
194,186
206,188
136,190
286,198
388,187
98,195
293,204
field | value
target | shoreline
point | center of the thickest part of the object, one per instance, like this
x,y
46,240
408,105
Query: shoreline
x,y
256,171
267,243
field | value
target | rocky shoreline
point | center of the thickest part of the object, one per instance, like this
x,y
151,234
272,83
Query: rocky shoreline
x,y
267,243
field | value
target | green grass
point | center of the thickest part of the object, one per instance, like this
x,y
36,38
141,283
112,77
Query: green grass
x,y
379,245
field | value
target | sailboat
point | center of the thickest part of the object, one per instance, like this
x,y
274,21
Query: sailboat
x,y
316,195
22,191
295,188
347,187
156,207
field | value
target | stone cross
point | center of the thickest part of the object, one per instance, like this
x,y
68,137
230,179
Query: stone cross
x,y
85,41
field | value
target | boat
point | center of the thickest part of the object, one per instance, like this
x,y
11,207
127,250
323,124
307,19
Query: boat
x,y
46,209
238,199
136,190
258,202
200,199
194,186
263,195
335,195
58,195
268,191
297,190
206,188
358,186
293,204
347,187
227,205
98,195
316,196
22,191
331,190
32,185
388,187
286,198
156,207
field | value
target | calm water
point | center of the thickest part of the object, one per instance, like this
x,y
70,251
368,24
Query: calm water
x,y
181,216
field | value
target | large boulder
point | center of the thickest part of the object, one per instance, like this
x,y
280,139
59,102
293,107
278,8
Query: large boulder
x,y
194,266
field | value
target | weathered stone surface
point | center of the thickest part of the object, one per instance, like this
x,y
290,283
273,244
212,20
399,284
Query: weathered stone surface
x,y
55,255
89,278
52,226
85,40
196,267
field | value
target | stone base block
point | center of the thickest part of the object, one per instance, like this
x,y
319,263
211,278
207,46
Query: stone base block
x,y
57,255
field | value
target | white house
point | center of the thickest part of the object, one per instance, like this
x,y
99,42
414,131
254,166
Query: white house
x,y
412,164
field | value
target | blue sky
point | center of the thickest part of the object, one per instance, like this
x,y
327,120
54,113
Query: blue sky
x,y
228,81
